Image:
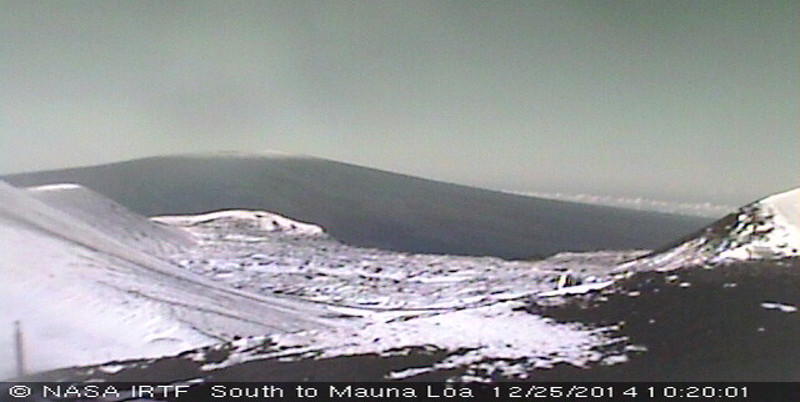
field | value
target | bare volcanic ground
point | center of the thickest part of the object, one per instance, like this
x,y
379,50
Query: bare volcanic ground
x,y
372,208
736,322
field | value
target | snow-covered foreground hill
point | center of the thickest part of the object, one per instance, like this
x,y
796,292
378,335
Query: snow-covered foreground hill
x,y
765,229
113,219
296,294
89,290
93,282
84,296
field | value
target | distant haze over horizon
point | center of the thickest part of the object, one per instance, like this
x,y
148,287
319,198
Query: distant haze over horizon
x,y
703,209
688,102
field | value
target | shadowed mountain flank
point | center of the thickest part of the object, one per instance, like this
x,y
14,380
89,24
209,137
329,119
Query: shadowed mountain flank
x,y
371,208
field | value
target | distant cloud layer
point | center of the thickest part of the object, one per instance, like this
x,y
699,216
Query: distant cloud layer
x,y
705,209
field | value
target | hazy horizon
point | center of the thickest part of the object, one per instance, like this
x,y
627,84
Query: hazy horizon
x,y
685,102
702,209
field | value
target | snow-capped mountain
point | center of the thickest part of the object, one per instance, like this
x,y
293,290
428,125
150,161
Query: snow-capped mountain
x,y
765,229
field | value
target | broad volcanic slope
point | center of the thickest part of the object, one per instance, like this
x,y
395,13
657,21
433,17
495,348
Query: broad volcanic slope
x,y
372,208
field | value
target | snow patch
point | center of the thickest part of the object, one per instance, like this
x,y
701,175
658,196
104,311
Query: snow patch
x,y
577,290
242,220
490,340
785,308
56,187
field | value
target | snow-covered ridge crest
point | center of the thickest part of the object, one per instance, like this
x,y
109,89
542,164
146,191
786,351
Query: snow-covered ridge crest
x,y
84,295
766,229
243,220
112,218
55,187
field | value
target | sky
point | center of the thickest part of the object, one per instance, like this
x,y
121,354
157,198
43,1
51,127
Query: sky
x,y
683,101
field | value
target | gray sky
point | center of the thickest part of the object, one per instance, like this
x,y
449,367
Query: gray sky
x,y
686,101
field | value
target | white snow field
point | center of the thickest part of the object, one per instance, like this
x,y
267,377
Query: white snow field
x,y
266,253
113,219
770,228
83,296
452,303
88,291
446,302
93,282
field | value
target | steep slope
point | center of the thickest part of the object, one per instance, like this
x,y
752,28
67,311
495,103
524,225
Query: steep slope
x,y
763,230
372,208
83,296
113,219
